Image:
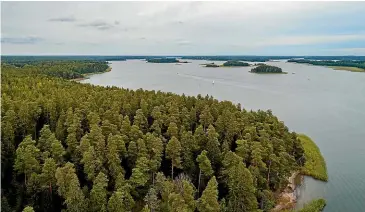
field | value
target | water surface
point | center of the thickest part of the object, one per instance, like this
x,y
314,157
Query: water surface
x,y
327,105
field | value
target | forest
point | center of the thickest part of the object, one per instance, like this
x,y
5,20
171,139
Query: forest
x,y
266,69
80,147
345,63
163,60
235,63
63,69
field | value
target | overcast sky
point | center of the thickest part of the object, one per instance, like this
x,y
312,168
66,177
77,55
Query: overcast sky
x,y
183,28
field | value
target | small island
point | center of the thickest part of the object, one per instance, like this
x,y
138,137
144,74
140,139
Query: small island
x,y
267,69
165,60
235,63
210,65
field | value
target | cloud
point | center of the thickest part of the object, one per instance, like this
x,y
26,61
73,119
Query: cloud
x,y
184,42
278,28
100,25
21,40
62,19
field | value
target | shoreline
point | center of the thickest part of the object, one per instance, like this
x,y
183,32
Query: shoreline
x,y
314,166
347,68
86,76
287,199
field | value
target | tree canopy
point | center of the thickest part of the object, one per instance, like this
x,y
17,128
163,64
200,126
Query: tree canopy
x,y
81,147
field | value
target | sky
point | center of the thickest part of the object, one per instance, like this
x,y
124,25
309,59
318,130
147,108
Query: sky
x,y
183,28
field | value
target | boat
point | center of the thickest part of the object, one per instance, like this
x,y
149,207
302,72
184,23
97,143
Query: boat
x,y
213,82
293,72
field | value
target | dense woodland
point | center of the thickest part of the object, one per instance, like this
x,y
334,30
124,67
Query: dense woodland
x,y
346,63
163,60
235,63
81,147
266,69
64,69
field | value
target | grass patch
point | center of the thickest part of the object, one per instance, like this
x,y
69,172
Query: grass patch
x,y
315,164
345,68
314,206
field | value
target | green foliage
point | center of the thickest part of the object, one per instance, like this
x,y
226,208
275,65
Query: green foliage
x,y
163,60
235,63
315,164
173,152
204,164
314,206
208,202
98,193
28,209
72,146
266,69
345,63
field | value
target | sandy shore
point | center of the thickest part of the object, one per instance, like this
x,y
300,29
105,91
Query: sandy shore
x,y
288,197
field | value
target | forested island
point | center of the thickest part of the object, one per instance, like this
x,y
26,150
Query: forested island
x,y
231,63
210,65
348,65
80,147
267,69
235,63
165,60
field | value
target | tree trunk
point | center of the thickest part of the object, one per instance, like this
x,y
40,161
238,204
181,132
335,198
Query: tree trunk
x,y
200,174
268,176
172,172
153,178
50,188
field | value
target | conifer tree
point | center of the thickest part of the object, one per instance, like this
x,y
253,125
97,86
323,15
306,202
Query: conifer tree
x,y
173,152
208,202
98,194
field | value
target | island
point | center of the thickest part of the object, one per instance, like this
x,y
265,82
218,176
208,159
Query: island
x,y
347,65
235,63
210,65
165,60
267,69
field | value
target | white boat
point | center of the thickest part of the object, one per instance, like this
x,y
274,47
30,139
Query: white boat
x,y
213,82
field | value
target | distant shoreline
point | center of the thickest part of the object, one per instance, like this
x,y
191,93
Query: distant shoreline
x,y
86,76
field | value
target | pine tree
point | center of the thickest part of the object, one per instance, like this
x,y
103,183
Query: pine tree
x,y
48,179
212,146
69,188
126,126
155,150
151,200
98,194
97,140
204,166
92,164
26,160
132,154
206,117
57,151
140,120
200,137
208,202
172,130
113,158
140,172
46,138
241,189
173,152
115,203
